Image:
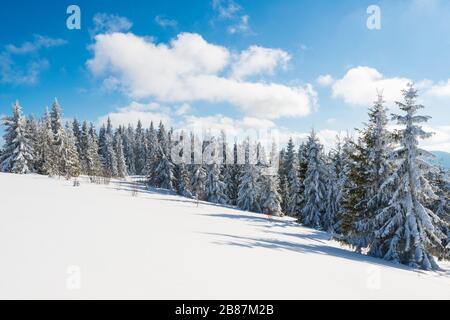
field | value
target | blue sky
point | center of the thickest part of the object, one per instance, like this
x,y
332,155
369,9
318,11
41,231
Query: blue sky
x,y
243,63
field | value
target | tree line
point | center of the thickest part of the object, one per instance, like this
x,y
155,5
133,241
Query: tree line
x,y
376,192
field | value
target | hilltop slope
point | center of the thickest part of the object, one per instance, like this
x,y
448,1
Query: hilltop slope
x,y
161,246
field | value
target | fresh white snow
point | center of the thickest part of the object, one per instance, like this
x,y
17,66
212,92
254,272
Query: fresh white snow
x,y
161,246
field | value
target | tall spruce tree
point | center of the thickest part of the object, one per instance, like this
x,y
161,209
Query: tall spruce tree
x,y
70,164
375,163
120,155
140,149
215,188
18,153
270,196
295,195
164,172
249,189
58,138
315,184
405,230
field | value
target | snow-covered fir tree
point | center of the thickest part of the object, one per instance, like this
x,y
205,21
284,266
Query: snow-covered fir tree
x,y
140,149
249,194
440,181
18,155
315,184
291,170
120,155
347,167
373,160
294,189
46,160
215,188
32,129
164,172
231,180
109,156
90,159
270,196
183,185
198,181
110,162
405,230
152,153
333,191
70,164
283,181
249,189
58,138
302,167
76,129
128,149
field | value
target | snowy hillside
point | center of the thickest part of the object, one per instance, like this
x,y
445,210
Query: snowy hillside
x,y
98,241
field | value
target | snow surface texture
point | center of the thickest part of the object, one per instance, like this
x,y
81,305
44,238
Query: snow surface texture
x,y
100,241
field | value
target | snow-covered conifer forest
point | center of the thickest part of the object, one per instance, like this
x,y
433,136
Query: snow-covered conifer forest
x,y
375,193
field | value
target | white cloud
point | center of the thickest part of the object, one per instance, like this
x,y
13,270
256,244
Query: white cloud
x,y
165,22
441,89
134,112
440,141
38,43
190,69
110,23
218,123
325,80
242,26
231,11
226,9
359,86
21,64
259,60
183,109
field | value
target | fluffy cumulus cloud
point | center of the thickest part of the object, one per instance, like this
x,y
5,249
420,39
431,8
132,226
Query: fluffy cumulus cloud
x,y
359,86
258,60
191,69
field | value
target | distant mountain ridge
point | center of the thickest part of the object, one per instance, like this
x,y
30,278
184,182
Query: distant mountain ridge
x,y
442,159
